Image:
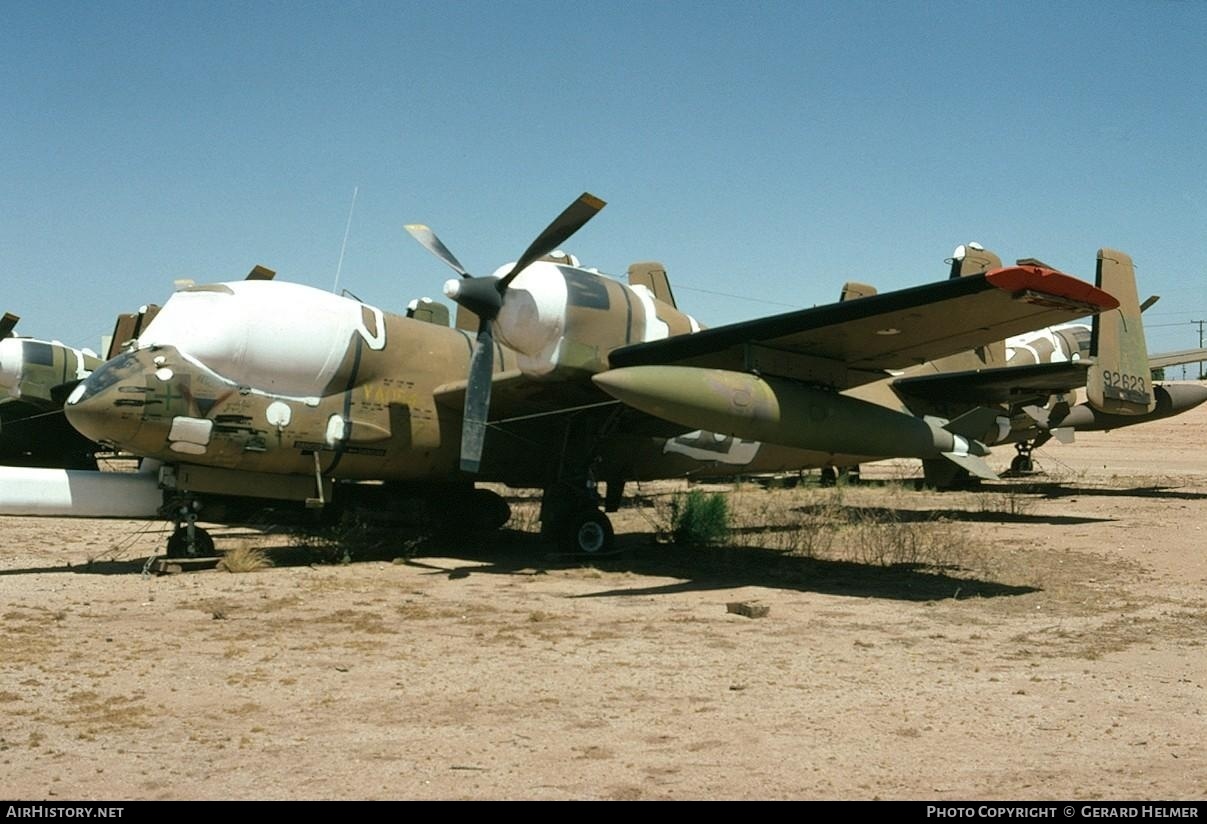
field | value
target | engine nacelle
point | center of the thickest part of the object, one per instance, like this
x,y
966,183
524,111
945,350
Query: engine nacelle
x,y
558,315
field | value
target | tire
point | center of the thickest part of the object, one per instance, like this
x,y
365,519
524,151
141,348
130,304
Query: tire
x,y
178,544
588,532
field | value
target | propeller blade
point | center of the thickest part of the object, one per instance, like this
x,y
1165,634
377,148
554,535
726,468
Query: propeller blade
x,y
556,233
477,400
7,323
428,240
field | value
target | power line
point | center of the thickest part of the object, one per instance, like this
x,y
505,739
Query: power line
x,y
679,286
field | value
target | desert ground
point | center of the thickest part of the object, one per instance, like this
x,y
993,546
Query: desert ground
x,y
1037,638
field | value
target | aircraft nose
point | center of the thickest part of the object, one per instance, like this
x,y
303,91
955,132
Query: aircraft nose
x,y
95,406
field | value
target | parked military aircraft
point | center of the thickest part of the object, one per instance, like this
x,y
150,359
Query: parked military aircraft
x,y
35,378
276,390
1032,378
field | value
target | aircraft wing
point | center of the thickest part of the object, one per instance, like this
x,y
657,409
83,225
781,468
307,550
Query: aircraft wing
x,y
848,344
1006,384
515,395
1177,358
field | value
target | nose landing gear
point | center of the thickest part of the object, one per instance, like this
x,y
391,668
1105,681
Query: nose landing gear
x,y
188,540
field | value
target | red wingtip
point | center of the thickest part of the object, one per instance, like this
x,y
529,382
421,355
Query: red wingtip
x,y
1050,282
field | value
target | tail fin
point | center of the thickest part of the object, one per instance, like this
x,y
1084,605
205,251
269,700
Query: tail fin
x,y
852,290
1119,381
128,327
652,275
972,259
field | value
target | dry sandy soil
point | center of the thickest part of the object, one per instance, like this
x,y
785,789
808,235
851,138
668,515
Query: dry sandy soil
x,y
1047,641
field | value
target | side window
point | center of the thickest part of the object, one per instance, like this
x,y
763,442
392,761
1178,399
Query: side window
x,y
38,353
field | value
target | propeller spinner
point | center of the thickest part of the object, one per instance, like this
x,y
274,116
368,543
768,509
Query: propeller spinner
x,y
484,297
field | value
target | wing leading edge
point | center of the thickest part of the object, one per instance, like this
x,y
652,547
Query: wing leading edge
x,y
848,344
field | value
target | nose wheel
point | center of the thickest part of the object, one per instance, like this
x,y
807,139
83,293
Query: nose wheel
x,y
189,540
197,545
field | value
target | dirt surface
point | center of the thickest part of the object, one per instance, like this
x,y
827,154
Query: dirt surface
x,y
1048,642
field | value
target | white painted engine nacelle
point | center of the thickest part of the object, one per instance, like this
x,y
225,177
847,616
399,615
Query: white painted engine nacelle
x,y
73,493
10,363
549,305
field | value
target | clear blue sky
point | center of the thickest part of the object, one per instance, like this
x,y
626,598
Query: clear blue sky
x,y
769,150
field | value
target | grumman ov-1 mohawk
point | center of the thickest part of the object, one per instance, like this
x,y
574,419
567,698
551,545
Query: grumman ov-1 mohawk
x,y
35,378
1031,379
555,377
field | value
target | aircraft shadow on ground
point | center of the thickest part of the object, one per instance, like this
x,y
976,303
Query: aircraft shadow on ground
x,y
132,566
890,515
698,569
702,569
1056,489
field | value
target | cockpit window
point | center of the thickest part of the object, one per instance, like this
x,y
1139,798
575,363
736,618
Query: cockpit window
x,y
109,373
1077,339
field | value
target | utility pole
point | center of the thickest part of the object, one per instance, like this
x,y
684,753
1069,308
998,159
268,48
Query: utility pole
x,y
1199,323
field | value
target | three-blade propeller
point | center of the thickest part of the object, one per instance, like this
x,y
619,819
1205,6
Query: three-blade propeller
x,y
484,297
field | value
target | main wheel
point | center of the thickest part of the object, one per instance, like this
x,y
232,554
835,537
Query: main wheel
x,y
1022,463
588,532
178,544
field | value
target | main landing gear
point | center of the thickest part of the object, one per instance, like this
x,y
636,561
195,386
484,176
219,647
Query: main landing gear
x,y
1022,463
587,532
831,475
571,516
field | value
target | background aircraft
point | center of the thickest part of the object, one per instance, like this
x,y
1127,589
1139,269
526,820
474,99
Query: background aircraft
x,y
35,378
275,390
1032,379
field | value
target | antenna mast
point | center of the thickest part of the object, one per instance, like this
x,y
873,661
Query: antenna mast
x,y
344,246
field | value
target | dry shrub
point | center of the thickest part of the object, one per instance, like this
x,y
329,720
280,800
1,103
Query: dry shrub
x,y
829,525
244,558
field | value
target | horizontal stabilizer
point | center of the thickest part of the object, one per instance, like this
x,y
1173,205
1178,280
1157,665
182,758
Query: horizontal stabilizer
x,y
1006,384
1177,358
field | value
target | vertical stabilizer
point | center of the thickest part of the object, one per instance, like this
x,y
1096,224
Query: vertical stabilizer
x,y
973,259
1119,382
853,289
652,275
